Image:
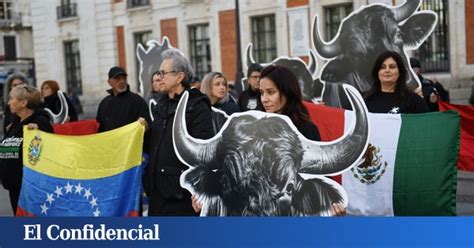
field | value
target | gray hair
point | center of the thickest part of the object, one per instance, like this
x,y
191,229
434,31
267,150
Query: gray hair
x,y
181,64
206,85
28,93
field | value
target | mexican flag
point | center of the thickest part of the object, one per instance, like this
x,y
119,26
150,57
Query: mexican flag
x,y
409,167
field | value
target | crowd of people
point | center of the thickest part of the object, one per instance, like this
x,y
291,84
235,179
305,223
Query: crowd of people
x,y
273,89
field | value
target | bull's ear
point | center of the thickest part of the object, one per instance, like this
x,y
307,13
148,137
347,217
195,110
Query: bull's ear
x,y
316,196
141,52
214,206
417,28
203,181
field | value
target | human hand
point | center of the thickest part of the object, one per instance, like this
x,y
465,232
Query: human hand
x,y
196,205
32,126
143,122
433,97
337,209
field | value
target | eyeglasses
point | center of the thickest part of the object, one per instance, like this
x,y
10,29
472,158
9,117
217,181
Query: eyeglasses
x,y
162,73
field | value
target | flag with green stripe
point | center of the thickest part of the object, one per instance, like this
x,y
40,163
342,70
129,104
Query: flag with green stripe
x,y
410,167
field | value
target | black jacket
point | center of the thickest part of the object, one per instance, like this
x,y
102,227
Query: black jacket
x,y
120,110
383,102
54,104
250,100
161,179
11,162
228,107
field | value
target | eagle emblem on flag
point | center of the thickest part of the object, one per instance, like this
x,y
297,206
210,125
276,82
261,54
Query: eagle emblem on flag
x,y
34,150
373,167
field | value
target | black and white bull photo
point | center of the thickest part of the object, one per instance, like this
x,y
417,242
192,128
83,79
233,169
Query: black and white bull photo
x,y
258,164
150,61
311,88
362,37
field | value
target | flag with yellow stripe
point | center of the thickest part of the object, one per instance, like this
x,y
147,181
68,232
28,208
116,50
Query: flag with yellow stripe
x,y
91,175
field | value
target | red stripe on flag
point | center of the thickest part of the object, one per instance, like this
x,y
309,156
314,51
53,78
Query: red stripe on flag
x,y
330,123
466,147
132,213
77,127
20,212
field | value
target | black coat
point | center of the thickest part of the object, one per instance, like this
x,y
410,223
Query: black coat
x,y
161,179
11,154
120,110
250,100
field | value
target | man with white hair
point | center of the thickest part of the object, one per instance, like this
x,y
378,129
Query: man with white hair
x,y
161,179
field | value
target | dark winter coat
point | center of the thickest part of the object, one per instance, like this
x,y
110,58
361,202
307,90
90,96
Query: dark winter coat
x,y
161,179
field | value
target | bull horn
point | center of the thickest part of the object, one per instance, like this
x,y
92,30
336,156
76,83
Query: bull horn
x,y
60,117
312,63
406,10
151,105
325,50
330,158
249,52
189,150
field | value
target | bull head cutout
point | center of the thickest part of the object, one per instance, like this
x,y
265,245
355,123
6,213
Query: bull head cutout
x,y
61,117
362,37
310,87
150,61
259,164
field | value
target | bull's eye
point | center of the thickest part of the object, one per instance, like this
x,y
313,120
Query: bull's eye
x,y
290,187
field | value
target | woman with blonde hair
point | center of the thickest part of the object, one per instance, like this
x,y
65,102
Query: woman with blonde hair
x,y
215,86
24,103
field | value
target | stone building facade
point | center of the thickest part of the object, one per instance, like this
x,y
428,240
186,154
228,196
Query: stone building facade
x,y
76,42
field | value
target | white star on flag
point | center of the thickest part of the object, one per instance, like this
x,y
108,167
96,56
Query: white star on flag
x,y
93,202
87,193
44,209
68,188
78,188
96,212
50,198
58,191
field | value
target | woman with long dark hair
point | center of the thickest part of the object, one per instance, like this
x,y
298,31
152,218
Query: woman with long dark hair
x,y
389,92
281,94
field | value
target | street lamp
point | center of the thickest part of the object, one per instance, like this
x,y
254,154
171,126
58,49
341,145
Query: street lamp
x,y
238,78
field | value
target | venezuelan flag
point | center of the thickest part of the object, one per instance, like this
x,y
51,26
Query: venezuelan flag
x,y
91,175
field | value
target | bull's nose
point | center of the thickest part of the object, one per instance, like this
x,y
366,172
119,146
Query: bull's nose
x,y
284,205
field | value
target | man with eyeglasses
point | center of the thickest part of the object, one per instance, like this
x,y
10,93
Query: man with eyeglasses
x,y
250,98
161,179
121,106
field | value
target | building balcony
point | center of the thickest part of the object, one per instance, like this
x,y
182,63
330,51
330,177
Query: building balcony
x,y
11,21
67,11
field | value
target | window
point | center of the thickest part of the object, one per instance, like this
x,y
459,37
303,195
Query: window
x,y
10,47
200,49
66,9
434,52
5,10
137,3
334,17
140,38
73,66
264,38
